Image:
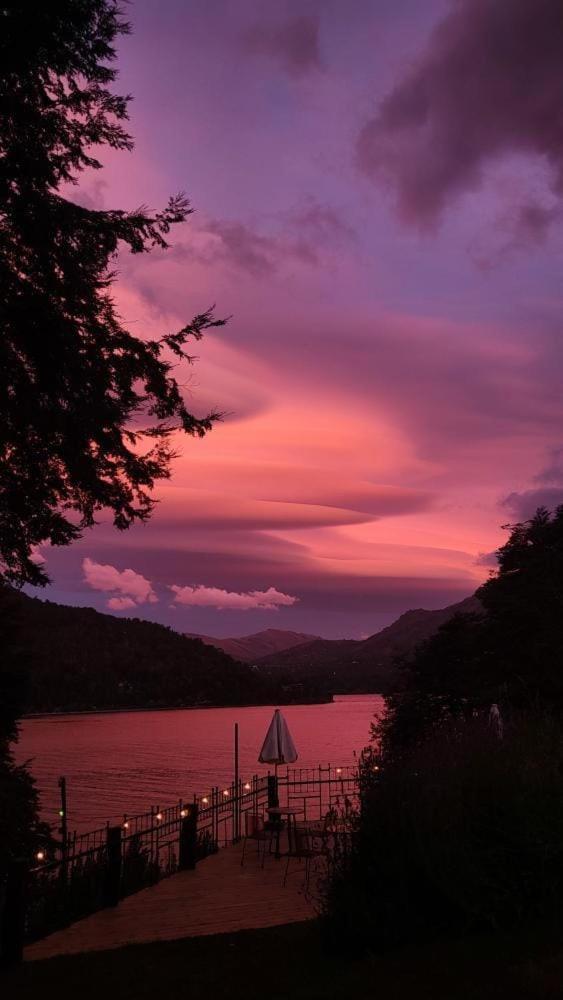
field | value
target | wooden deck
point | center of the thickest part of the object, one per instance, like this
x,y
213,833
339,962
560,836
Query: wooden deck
x,y
219,896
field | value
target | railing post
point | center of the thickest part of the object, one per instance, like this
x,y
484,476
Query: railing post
x,y
273,795
112,883
187,854
12,916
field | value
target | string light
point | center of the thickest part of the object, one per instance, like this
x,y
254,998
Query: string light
x,y
205,800
158,817
183,813
61,813
126,824
339,770
40,855
226,794
247,786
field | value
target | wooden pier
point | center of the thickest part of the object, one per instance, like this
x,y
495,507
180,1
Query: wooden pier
x,y
219,896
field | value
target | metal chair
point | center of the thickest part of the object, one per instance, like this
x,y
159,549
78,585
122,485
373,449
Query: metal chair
x,y
301,847
309,803
255,829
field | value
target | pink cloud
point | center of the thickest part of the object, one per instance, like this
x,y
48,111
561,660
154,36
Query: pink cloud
x,y
37,556
284,491
121,603
134,587
214,597
198,508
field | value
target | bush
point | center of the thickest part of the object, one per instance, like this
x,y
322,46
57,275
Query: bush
x,y
467,833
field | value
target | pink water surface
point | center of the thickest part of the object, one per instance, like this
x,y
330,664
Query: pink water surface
x,y
125,762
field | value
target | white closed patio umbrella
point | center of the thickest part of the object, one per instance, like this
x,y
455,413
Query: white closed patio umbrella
x,y
278,747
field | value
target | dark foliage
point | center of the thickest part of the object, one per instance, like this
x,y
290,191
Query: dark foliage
x,y
21,833
79,659
511,654
461,826
340,666
86,408
289,961
463,834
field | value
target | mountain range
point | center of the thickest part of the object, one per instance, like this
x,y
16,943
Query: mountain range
x,y
251,648
344,665
78,659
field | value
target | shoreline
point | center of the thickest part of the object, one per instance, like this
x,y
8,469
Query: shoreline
x,y
172,708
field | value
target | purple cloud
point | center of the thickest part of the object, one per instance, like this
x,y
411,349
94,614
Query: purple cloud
x,y
523,225
295,44
488,83
553,473
321,223
304,235
489,559
524,505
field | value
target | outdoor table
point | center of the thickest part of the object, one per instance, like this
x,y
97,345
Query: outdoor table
x,y
277,813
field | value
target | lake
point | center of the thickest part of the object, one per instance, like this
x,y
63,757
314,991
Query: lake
x,y
125,762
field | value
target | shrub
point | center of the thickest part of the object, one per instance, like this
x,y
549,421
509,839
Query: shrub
x,y
466,833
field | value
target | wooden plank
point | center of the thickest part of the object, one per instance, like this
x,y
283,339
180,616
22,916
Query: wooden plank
x,y
219,896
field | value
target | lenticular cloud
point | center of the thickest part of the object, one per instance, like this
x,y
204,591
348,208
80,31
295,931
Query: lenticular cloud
x,y
214,597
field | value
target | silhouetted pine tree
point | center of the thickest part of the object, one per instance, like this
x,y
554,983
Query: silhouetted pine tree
x,y
86,408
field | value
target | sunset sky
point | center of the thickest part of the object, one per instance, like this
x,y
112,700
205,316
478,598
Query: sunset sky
x,y
378,201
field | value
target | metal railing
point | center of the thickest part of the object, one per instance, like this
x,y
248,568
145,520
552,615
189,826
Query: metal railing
x,y
90,871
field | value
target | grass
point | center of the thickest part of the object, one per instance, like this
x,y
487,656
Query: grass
x,y
288,963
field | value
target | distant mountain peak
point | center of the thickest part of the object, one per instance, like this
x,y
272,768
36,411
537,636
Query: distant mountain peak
x,y
250,648
356,665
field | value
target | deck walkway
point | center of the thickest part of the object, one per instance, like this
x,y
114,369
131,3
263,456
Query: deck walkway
x,y
218,897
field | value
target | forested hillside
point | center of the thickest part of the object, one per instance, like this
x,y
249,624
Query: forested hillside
x,y
353,666
77,658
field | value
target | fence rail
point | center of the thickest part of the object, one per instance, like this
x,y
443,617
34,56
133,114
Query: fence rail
x,y
92,870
